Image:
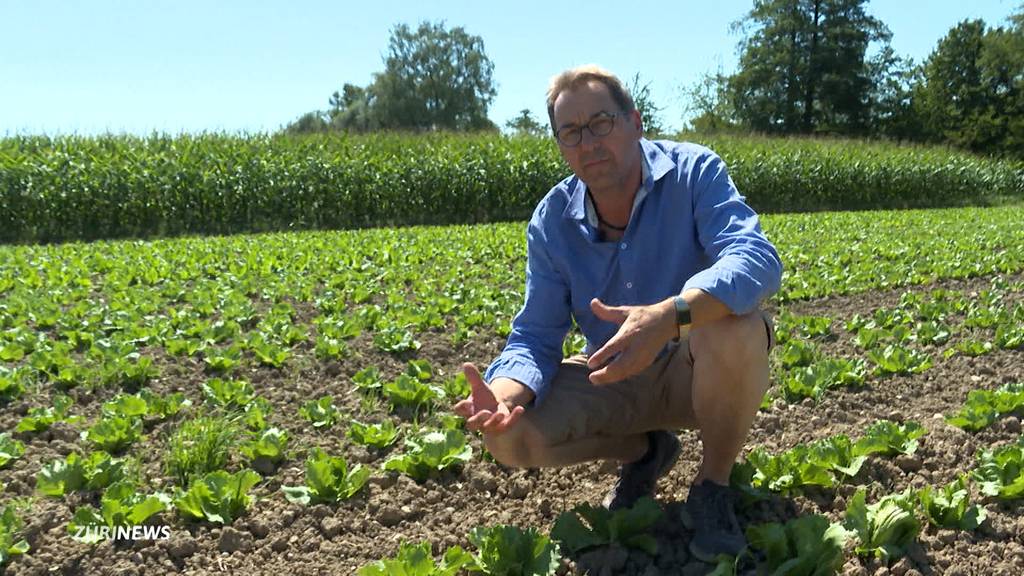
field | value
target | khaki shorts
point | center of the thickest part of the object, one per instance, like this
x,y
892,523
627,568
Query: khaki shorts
x,y
659,398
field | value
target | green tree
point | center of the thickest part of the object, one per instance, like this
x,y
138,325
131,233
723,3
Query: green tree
x,y
649,111
893,114
308,123
952,96
708,108
433,79
1002,65
526,124
802,66
351,110
972,92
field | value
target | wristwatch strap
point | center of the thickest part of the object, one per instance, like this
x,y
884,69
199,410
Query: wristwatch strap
x,y
683,318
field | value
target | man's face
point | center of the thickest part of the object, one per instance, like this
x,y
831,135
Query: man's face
x,y
605,161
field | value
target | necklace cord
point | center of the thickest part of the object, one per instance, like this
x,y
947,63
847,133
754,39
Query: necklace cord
x,y
602,220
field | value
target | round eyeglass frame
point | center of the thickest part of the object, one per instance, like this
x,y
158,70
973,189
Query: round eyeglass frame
x,y
578,131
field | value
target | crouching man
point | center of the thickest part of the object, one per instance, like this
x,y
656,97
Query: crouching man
x,y
651,249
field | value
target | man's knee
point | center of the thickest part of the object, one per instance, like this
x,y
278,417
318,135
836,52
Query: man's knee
x,y
520,447
732,343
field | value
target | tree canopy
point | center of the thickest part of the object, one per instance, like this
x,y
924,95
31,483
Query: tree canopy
x,y
826,67
433,79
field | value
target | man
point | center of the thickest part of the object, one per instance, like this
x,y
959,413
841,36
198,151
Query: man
x,y
653,252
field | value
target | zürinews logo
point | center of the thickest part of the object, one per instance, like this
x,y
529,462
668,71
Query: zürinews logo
x,y
98,533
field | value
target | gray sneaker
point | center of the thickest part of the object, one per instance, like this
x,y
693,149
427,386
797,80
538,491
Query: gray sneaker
x,y
709,512
638,479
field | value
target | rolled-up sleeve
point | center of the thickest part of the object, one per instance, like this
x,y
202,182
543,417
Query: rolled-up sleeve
x,y
534,349
746,267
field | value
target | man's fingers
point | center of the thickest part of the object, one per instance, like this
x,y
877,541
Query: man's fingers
x,y
616,344
476,421
472,374
513,417
464,408
496,425
483,397
620,369
614,314
493,422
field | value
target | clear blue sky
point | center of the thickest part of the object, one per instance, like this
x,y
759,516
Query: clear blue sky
x,y
139,66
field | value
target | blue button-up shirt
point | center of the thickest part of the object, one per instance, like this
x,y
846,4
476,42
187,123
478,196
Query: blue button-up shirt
x,y
692,229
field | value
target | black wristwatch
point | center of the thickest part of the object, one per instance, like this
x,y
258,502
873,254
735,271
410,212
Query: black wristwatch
x,y
683,318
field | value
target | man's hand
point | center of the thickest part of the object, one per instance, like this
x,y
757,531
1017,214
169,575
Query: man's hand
x,y
483,410
643,332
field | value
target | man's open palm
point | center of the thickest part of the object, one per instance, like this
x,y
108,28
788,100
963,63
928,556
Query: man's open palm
x,y
482,410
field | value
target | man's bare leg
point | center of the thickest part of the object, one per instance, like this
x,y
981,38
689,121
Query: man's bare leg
x,y
730,377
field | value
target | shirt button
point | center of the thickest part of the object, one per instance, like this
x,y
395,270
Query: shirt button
x,y
624,245
629,284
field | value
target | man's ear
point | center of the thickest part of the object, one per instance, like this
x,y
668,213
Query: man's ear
x,y
638,121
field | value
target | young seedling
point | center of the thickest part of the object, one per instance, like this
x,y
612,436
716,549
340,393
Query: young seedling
x,y
322,412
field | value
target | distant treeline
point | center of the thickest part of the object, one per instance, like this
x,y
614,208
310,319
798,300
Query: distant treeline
x,y
77,188
806,67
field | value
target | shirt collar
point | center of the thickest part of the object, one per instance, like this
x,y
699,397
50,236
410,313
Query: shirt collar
x,y
655,165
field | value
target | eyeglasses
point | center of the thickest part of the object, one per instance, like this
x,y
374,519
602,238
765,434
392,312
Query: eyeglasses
x,y
600,125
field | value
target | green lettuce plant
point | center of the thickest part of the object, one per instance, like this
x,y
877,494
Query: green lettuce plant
x,y
228,394
803,546
949,506
884,529
431,452
11,543
328,479
120,505
41,418
269,446
217,497
114,433
983,407
12,384
896,359
379,435
368,380
587,526
94,471
409,392
415,560
812,381
321,412
511,551
1000,471
889,438
10,449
